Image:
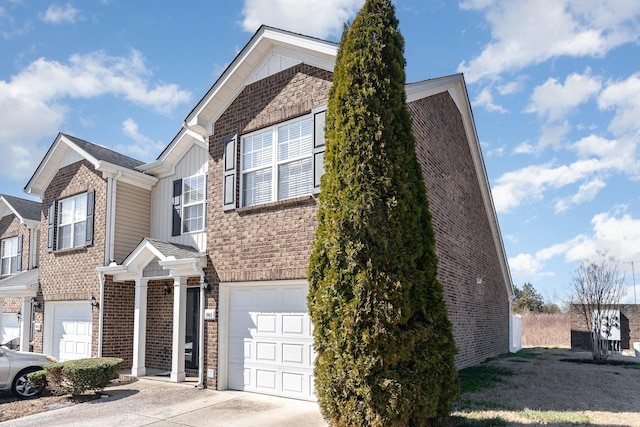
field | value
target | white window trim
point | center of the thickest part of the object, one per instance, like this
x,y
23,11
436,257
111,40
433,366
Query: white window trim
x,y
14,243
72,223
275,163
184,205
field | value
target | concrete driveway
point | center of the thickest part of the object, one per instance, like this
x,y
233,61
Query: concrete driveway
x,y
154,403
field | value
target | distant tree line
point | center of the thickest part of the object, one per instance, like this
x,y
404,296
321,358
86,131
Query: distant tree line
x,y
528,300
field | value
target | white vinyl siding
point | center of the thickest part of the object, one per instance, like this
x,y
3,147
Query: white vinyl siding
x,y
72,222
276,162
194,162
10,256
133,213
193,204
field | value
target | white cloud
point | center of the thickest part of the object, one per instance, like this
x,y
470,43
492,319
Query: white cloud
x,y
554,100
316,18
532,182
553,135
586,193
144,148
33,101
57,14
485,99
530,32
618,235
624,97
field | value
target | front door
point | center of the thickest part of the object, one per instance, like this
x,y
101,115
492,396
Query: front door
x,y
191,350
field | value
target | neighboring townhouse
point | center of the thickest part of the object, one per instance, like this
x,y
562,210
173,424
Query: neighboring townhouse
x,y
264,121
19,230
95,209
168,271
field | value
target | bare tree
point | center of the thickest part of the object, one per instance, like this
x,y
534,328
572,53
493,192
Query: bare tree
x,y
596,289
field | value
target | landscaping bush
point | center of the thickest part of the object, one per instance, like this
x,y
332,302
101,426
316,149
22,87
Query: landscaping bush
x,y
77,376
38,380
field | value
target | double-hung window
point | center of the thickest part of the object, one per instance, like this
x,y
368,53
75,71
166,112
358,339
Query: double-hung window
x,y
277,162
72,222
10,256
193,206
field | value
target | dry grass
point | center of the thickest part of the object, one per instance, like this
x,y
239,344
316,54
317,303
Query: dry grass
x,y
540,387
548,330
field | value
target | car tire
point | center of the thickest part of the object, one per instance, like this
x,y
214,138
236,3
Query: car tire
x,y
21,386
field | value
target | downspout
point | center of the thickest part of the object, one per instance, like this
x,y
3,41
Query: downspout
x,y
100,313
109,248
201,334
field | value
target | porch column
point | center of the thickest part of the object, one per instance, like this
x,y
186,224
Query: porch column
x,y
179,328
25,323
140,329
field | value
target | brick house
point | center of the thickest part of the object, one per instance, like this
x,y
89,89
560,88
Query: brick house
x,y
262,212
95,209
19,230
197,261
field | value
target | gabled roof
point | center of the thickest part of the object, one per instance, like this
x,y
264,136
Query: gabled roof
x,y
269,50
176,259
27,211
107,161
22,284
457,89
173,153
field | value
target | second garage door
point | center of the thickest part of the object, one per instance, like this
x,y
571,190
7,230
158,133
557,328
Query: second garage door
x,y
71,330
270,341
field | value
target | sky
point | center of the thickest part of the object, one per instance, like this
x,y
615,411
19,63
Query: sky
x,y
554,87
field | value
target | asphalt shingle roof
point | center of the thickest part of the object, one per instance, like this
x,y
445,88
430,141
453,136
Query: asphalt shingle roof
x,y
103,153
27,209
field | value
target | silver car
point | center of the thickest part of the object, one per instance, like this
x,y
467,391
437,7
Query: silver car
x,y
14,368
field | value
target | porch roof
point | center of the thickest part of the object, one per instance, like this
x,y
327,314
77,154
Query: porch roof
x,y
22,284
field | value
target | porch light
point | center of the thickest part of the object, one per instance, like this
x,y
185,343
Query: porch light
x,y
167,289
35,303
19,314
94,302
479,280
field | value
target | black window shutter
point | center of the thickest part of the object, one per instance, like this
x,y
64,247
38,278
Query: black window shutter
x,y
229,172
51,220
90,210
318,146
177,201
20,252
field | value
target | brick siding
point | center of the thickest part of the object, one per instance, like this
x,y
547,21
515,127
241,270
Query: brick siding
x,y
117,328
273,241
70,274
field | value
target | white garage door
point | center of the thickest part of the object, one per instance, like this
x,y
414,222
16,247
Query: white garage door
x,y
10,327
270,341
71,330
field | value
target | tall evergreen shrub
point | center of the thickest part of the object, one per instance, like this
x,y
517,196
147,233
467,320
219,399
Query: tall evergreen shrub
x,y
384,343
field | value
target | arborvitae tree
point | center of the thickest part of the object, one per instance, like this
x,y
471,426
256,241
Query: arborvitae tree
x,y
384,344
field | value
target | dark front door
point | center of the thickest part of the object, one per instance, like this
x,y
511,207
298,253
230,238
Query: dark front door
x,y
191,350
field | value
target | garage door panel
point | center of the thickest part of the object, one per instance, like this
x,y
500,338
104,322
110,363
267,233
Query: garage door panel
x,y
71,330
275,355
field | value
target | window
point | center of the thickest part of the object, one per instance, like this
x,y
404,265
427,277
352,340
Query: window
x,y
277,162
193,207
72,222
10,257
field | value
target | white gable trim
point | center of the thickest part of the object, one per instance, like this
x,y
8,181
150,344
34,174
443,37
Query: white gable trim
x,y
180,145
250,64
59,155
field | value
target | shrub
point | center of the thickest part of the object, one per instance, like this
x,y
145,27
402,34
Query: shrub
x,y
38,380
77,376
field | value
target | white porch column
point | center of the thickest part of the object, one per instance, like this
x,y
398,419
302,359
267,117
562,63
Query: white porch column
x,y
140,329
179,328
25,323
